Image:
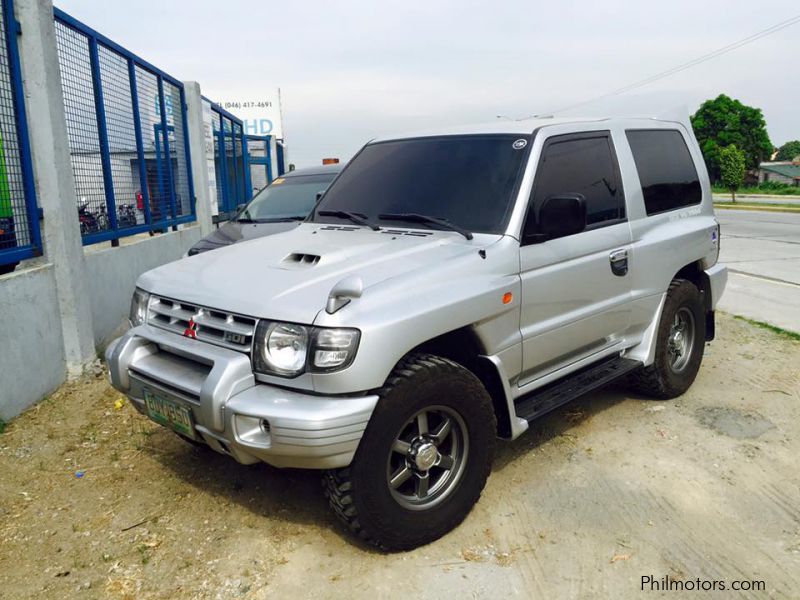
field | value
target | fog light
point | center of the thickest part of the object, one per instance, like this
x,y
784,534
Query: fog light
x,y
252,431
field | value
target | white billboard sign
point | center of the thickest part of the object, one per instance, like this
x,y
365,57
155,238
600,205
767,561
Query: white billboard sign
x,y
260,112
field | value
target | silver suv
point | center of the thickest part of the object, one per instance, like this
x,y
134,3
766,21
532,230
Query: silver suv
x,y
449,288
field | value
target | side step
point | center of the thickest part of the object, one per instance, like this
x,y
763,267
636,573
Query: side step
x,y
572,386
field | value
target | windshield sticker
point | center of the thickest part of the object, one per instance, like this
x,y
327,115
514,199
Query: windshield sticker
x,y
278,181
519,144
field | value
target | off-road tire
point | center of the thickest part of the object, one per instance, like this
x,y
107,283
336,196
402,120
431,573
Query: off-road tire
x,y
359,494
659,380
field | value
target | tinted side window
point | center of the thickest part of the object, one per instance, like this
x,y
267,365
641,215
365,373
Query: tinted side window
x,y
666,170
579,165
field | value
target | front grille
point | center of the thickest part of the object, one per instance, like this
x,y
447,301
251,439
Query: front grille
x,y
204,324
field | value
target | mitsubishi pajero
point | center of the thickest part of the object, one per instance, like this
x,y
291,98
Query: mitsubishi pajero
x,y
447,289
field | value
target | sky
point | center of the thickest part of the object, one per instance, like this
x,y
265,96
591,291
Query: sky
x,y
352,70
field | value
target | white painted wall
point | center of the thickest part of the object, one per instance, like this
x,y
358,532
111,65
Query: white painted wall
x,y
32,362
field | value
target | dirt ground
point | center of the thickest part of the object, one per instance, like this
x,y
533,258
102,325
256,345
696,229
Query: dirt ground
x,y
96,501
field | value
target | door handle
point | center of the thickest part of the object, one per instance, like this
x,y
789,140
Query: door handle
x,y
619,262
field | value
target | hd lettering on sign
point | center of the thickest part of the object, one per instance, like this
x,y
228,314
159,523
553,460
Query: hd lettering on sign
x,y
258,126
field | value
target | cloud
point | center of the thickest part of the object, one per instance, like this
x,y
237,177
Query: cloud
x,y
352,70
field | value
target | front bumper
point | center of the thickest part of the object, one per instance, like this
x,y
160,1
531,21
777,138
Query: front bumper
x,y
233,413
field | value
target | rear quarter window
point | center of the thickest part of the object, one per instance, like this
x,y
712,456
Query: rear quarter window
x,y
666,169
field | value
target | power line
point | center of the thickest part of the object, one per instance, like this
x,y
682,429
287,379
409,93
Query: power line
x,y
683,66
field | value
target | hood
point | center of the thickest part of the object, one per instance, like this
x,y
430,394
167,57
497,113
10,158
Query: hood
x,y
232,232
289,276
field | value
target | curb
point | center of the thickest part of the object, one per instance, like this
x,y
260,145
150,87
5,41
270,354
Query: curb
x,y
757,208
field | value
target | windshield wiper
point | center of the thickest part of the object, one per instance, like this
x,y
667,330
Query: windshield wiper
x,y
357,218
245,219
418,218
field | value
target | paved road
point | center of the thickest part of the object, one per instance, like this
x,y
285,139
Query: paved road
x,y
762,251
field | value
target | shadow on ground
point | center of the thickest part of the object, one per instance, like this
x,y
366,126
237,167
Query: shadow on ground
x,y
295,495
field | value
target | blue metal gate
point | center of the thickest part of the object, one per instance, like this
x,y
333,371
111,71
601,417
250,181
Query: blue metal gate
x,y
19,217
258,170
126,126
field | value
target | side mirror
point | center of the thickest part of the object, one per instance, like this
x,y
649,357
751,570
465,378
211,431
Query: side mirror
x,y
562,215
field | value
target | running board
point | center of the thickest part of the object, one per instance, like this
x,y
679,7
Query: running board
x,y
572,386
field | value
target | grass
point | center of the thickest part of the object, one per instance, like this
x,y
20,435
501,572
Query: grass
x,y
788,190
2,425
792,335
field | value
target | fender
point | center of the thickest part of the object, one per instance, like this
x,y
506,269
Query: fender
x,y
515,425
645,351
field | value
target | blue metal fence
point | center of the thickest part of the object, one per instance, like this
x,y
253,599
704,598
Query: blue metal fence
x,y
126,124
19,219
229,161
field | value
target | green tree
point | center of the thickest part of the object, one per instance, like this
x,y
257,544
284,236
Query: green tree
x,y
789,151
723,121
732,165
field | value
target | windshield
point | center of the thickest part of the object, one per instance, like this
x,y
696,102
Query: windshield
x,y
466,180
287,197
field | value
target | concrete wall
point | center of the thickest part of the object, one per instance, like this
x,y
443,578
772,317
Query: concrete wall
x,y
32,360
112,274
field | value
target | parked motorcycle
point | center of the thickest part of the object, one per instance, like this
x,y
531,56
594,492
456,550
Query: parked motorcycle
x,y
126,215
87,218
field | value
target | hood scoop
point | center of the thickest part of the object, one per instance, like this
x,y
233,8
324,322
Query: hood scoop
x,y
299,260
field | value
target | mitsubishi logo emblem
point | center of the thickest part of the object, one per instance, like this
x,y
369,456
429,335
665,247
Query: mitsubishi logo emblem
x,y
191,330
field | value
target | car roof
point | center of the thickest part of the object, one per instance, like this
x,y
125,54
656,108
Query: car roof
x,y
518,127
317,170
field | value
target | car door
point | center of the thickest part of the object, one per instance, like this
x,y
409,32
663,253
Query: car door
x,y
575,289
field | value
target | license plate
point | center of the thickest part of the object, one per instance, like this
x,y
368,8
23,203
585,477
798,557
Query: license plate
x,y
169,413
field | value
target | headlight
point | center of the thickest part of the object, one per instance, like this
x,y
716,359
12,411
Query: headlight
x,y
281,348
288,350
139,304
